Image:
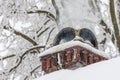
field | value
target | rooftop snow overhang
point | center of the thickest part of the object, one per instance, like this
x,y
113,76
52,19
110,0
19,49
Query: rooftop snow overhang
x,y
69,44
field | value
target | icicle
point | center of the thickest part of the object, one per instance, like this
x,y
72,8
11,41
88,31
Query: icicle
x,y
59,61
75,51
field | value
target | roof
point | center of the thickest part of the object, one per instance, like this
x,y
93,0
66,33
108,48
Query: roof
x,y
104,70
72,44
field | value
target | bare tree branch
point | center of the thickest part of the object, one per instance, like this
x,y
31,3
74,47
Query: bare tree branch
x,y
39,30
42,26
32,72
106,27
46,22
57,11
42,32
49,35
35,69
50,15
114,22
107,30
6,57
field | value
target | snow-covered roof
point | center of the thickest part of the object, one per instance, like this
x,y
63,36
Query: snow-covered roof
x,y
104,70
72,44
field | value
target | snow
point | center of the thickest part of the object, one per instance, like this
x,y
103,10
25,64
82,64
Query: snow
x,y
19,25
17,78
2,46
6,32
40,5
1,17
5,63
105,70
71,44
105,1
77,14
5,53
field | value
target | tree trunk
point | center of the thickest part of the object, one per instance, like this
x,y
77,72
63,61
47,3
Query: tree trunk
x,y
114,22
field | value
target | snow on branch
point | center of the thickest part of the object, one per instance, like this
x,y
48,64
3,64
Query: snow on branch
x,y
49,14
22,35
57,11
26,52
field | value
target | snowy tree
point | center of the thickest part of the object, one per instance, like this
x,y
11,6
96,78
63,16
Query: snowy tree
x,y
25,30
28,27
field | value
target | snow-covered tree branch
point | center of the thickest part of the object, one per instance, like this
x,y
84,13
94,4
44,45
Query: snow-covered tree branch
x,y
24,28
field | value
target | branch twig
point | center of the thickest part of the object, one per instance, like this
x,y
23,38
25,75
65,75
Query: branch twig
x,y
49,35
21,57
9,56
31,72
42,32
